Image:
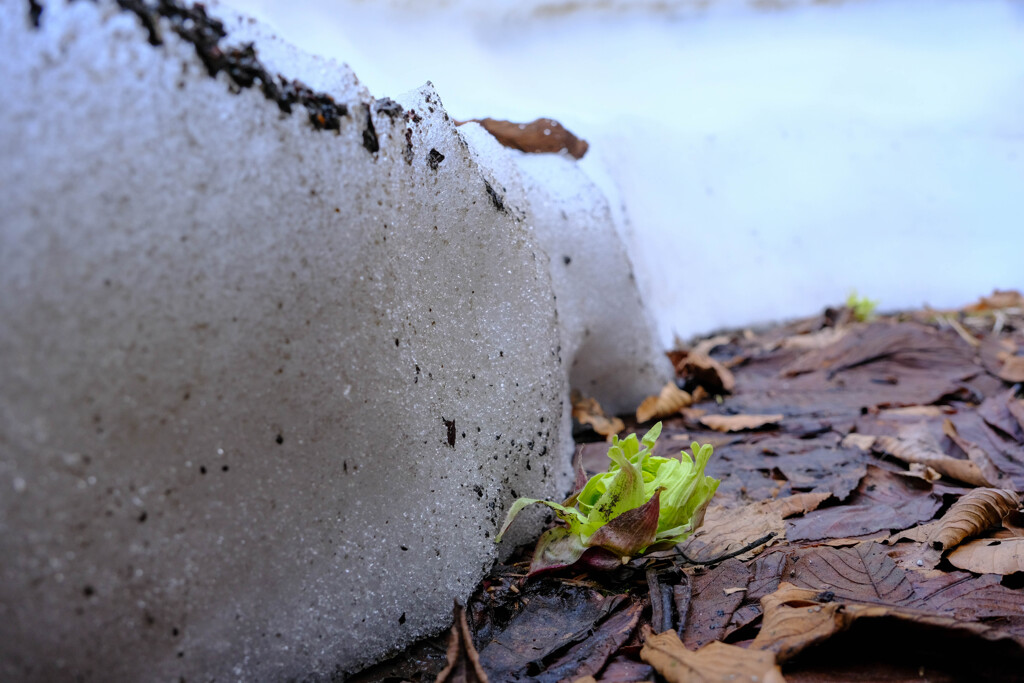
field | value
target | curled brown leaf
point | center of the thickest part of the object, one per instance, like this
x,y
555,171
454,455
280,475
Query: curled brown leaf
x,y
706,372
919,447
588,411
975,454
670,401
974,513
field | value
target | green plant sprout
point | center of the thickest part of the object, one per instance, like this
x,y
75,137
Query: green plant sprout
x,y
642,503
863,308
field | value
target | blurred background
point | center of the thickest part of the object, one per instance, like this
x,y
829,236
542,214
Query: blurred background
x,y
769,156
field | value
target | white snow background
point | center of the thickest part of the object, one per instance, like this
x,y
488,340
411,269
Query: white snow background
x,y
770,156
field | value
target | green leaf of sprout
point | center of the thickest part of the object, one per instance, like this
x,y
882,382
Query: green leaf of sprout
x,y
863,308
636,483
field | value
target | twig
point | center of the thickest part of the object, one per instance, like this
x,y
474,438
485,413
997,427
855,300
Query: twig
x,y
721,558
962,331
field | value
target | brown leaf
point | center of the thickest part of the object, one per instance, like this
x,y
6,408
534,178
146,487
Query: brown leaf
x,y
867,345
836,470
589,656
1004,412
916,445
539,136
999,298
726,530
1016,408
862,441
706,346
624,669
796,618
767,570
815,340
670,401
990,556
738,423
976,454
463,660
883,501
587,411
882,364
552,618
712,663
989,447
706,372
924,472
964,595
864,574
713,602
999,356
974,513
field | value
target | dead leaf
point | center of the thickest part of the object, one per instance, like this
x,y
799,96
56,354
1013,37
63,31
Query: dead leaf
x,y
712,663
974,513
539,136
1013,524
550,620
999,356
990,556
588,411
589,656
977,455
883,364
705,371
766,572
862,441
726,530
990,448
836,470
999,298
815,340
796,618
1004,412
670,401
1016,408
706,346
924,472
1013,368
711,607
919,534
916,445
463,660
883,501
738,423
863,574
965,596
915,411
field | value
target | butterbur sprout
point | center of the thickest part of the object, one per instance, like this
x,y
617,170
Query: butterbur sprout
x,y
641,503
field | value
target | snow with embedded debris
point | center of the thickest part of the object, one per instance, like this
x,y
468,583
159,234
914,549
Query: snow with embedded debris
x,y
266,390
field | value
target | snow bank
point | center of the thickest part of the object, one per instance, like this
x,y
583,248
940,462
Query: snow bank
x,y
276,356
